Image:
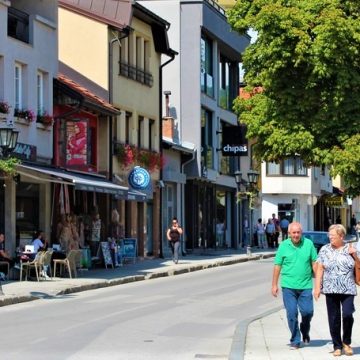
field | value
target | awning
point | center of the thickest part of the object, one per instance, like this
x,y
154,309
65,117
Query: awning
x,y
80,181
134,195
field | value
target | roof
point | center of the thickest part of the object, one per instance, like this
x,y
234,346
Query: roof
x,y
116,13
89,98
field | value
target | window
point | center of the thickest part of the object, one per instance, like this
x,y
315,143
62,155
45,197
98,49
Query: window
x,y
206,70
151,134
18,87
127,127
206,139
289,167
226,163
140,132
228,82
40,92
134,60
18,24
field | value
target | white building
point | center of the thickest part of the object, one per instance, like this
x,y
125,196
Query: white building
x,y
28,64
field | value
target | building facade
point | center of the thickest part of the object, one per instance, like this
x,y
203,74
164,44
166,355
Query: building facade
x,y
203,81
28,64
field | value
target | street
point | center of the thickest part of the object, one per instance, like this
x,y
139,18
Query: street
x,y
184,317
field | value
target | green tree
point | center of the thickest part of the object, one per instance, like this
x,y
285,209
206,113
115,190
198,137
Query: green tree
x,y
306,60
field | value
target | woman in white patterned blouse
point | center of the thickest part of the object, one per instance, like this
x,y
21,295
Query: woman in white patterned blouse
x,y
335,279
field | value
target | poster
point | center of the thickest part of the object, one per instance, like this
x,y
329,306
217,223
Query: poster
x,y
76,145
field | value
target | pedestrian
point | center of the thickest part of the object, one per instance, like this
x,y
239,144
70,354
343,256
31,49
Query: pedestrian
x,y
335,279
270,233
284,224
173,235
295,260
260,231
353,222
4,255
220,228
277,230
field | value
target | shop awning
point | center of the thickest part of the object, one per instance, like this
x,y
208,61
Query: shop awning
x,y
134,195
80,181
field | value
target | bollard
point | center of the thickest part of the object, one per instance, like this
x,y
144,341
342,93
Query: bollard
x,y
248,250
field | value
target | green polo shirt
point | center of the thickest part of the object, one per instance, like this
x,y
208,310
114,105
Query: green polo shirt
x,y
296,263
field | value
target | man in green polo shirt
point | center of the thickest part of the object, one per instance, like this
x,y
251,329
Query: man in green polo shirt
x,y
295,260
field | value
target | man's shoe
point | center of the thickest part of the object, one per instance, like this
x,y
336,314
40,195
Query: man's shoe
x,y
294,346
337,352
306,340
348,350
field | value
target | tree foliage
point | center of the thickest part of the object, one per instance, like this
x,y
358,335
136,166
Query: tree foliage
x,y
306,59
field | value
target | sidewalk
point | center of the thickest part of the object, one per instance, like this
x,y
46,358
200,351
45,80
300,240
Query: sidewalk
x,y
21,291
268,337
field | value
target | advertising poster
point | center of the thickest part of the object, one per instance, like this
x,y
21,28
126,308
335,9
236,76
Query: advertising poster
x,y
76,146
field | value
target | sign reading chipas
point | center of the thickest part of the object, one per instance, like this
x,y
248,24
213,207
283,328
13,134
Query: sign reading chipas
x,y
234,142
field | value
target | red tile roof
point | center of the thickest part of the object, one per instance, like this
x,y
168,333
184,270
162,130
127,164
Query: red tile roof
x,y
87,94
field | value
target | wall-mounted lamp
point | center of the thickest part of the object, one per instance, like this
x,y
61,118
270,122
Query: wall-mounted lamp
x,y
8,140
253,177
160,184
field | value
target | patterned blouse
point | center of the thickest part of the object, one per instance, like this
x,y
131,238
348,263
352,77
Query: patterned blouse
x,y
338,275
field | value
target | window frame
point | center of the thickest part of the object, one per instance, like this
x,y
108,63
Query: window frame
x,y
295,163
18,86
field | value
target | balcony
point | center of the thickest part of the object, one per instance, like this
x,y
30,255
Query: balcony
x,y
136,74
18,24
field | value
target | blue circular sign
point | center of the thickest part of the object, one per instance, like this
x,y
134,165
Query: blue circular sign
x,y
139,178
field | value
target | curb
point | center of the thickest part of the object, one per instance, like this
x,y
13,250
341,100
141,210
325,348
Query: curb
x,y
128,279
237,351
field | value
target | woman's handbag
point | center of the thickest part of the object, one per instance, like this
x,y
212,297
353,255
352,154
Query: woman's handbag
x,y
356,269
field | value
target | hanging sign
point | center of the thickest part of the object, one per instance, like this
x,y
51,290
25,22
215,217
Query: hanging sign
x,y
234,142
139,178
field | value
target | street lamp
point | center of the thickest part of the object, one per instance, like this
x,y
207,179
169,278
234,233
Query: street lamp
x,y
8,140
253,177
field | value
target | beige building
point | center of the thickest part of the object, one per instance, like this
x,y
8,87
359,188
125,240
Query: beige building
x,y
118,57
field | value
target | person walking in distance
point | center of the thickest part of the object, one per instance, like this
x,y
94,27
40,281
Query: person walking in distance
x,y
173,235
295,260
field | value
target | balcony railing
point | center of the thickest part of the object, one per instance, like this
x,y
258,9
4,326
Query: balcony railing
x,y
18,24
136,74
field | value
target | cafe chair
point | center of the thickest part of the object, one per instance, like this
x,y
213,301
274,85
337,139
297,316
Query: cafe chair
x,y
34,264
69,263
46,262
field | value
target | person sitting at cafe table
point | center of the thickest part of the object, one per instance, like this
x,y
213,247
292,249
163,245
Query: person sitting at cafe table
x,y
39,243
4,256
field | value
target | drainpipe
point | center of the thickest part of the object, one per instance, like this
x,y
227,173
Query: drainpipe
x,y
183,223
172,57
116,38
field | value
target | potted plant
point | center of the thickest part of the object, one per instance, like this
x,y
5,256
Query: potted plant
x,y
28,115
4,107
45,119
126,154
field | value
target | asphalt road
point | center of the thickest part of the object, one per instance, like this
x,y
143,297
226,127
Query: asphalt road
x,y
190,316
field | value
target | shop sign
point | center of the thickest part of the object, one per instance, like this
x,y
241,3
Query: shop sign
x,y
334,201
234,142
25,151
139,178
